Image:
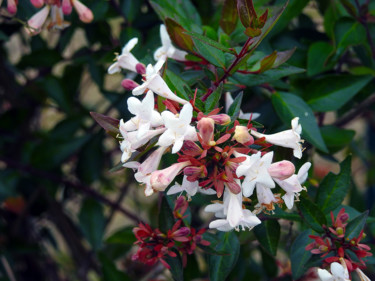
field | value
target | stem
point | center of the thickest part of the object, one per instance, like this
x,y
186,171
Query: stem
x,y
227,71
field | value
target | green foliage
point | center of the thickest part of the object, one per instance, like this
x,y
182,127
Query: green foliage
x,y
268,235
298,255
312,214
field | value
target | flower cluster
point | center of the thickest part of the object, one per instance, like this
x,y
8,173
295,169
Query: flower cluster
x,y
155,246
216,155
334,246
55,9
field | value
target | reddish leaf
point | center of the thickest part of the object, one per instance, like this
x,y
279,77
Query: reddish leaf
x,y
267,62
229,16
178,35
246,12
107,123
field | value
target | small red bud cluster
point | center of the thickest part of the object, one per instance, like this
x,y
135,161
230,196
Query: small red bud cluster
x,y
334,241
155,246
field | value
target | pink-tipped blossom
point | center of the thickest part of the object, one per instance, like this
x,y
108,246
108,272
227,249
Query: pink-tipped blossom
x,y
37,3
281,170
221,119
140,68
129,84
161,179
206,127
67,7
84,13
36,22
242,135
12,6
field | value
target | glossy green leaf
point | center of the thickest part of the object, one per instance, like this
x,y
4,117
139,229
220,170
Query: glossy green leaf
x,y
288,106
356,225
268,235
122,236
336,138
176,84
348,32
178,35
166,218
221,266
53,87
298,255
176,266
235,107
209,42
211,54
312,214
229,16
317,58
332,92
281,214
213,100
334,188
92,222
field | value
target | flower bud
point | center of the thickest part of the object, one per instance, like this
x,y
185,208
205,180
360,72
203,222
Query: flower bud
x,y
193,173
36,22
161,179
206,128
128,84
84,13
37,3
323,248
140,68
242,135
339,231
281,170
12,6
221,119
191,148
344,217
66,7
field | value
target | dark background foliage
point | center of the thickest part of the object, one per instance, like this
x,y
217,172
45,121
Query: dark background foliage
x,y
64,216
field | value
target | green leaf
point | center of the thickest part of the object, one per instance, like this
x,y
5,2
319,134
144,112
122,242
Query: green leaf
x,y
281,214
246,12
53,87
176,84
213,100
178,35
235,107
122,236
221,266
348,32
251,80
268,235
312,214
166,218
109,124
209,42
40,58
288,106
92,222
176,266
332,92
334,188
109,270
317,58
355,226
298,255
229,16
211,54
336,138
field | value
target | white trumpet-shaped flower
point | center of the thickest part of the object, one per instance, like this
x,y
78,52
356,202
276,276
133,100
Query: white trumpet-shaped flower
x,y
126,60
361,275
191,188
154,82
167,50
178,128
255,170
145,115
292,185
338,273
289,138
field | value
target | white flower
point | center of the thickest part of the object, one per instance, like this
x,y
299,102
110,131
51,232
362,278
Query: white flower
x,y
255,170
361,275
191,188
145,115
178,128
338,273
126,60
155,83
127,151
37,20
289,138
145,169
292,185
167,49
231,215
229,100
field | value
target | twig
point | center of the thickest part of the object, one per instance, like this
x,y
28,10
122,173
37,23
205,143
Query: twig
x,y
8,269
78,186
355,112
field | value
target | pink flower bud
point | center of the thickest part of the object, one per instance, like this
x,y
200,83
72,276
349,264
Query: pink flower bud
x,y
161,179
206,128
12,6
37,3
140,68
66,7
191,148
281,170
129,84
36,22
84,13
221,119
242,135
194,173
